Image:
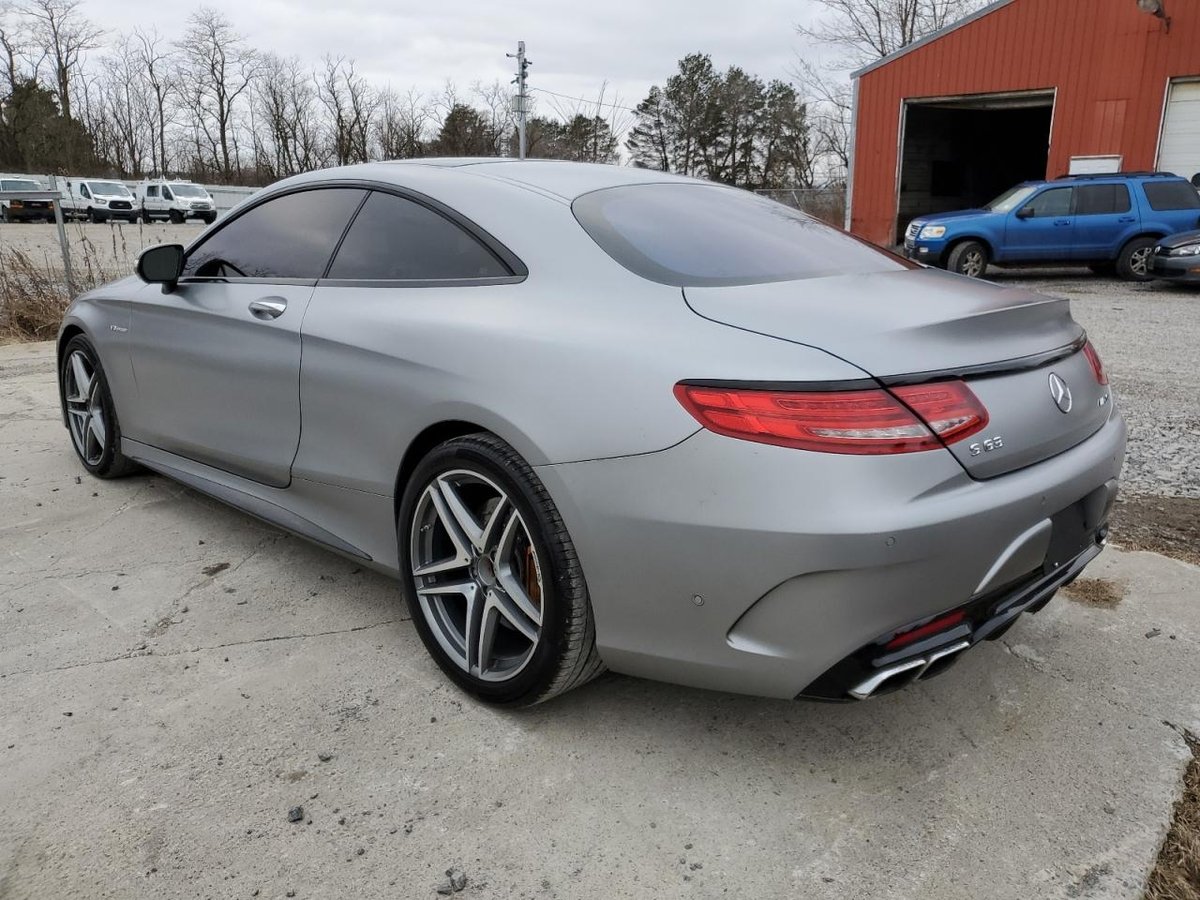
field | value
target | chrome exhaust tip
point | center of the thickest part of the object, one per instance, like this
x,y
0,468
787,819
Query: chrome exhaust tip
x,y
883,676
910,670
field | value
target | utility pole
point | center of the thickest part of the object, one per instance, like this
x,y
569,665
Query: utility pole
x,y
521,102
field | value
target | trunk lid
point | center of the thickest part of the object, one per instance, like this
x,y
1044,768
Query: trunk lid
x,y
905,327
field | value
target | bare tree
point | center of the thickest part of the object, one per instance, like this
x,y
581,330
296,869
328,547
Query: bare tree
x,y
126,105
871,29
495,106
350,103
66,35
403,123
153,59
14,42
288,139
219,69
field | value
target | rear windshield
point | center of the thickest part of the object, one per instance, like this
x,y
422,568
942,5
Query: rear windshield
x,y
14,184
1168,195
697,235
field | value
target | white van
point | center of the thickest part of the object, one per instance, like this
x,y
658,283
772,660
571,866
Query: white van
x,y
97,200
176,201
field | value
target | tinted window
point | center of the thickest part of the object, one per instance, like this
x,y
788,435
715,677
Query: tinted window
x,y
21,185
696,235
83,191
167,194
152,191
291,236
395,238
1166,195
1054,202
1101,199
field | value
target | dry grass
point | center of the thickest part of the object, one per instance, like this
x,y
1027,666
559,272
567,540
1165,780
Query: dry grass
x,y
1176,875
33,288
1095,592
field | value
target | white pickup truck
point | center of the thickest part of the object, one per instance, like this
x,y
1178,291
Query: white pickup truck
x,y
176,201
97,200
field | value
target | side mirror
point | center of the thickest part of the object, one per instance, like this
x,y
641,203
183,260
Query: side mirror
x,y
161,265
1026,213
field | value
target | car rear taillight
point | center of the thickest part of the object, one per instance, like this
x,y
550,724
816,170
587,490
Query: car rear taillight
x,y
1093,359
871,421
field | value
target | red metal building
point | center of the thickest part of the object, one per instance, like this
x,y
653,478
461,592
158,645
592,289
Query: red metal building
x,y
1024,89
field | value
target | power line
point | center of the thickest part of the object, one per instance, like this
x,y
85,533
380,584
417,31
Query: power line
x,y
599,103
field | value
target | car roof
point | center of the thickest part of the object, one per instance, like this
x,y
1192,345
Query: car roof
x,y
561,178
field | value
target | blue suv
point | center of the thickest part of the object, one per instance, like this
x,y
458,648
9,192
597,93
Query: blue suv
x,y
1108,222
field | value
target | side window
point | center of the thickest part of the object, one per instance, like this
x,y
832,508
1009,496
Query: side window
x,y
167,195
84,192
395,238
1170,195
152,190
1054,202
291,236
1101,199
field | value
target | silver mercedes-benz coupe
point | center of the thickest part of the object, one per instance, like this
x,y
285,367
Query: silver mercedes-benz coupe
x,y
600,417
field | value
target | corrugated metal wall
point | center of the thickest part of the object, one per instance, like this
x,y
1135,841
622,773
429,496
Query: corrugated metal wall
x,y
1110,64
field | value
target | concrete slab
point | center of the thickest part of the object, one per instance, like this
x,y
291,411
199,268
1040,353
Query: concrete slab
x,y
175,676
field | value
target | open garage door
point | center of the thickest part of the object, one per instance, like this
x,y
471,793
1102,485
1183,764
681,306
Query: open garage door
x,y
1179,150
961,152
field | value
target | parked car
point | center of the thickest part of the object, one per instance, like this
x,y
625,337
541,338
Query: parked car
x,y
599,416
97,200
1108,222
24,210
175,201
1177,258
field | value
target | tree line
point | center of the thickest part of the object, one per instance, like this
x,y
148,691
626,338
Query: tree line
x,y
207,105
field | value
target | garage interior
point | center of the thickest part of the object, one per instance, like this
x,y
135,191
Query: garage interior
x,y
964,152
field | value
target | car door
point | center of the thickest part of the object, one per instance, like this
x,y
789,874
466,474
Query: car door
x,y
151,202
1104,216
1043,228
373,341
217,360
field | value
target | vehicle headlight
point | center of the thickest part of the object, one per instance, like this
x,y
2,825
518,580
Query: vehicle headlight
x,y
100,202
1185,250
933,231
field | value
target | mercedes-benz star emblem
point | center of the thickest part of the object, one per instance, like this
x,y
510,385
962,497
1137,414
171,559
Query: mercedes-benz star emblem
x,y
1060,393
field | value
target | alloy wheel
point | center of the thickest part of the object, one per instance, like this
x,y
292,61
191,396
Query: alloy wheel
x,y
1139,260
85,408
477,575
972,264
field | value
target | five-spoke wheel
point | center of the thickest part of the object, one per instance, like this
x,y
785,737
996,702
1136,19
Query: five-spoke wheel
x,y
89,411
477,574
495,588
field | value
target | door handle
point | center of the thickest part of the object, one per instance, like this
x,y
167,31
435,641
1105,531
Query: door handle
x,y
1125,219
268,308
1062,221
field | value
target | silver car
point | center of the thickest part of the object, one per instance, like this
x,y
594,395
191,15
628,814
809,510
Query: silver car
x,y
598,417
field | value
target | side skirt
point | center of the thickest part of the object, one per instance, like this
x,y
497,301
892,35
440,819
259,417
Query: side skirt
x,y
365,519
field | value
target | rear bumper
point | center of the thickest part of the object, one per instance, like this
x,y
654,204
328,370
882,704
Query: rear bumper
x,y
742,567
1176,268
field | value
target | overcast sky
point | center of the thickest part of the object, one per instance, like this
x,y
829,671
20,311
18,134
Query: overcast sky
x,y
575,46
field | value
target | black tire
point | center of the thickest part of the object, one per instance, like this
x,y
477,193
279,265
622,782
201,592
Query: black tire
x,y
968,258
176,217
95,217
209,219
1134,262
5,216
564,655
111,463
